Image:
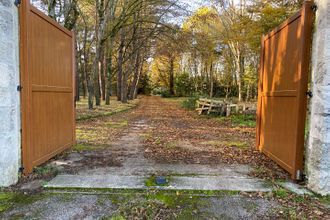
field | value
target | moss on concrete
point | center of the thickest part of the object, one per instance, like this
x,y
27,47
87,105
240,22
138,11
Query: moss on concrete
x,y
10,199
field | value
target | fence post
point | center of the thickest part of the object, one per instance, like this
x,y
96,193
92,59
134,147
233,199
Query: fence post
x,y
318,150
10,147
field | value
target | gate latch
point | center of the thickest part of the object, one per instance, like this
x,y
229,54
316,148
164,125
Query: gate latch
x,y
309,94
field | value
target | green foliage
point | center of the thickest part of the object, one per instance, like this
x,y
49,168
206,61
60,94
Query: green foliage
x,y
184,85
190,103
145,86
166,94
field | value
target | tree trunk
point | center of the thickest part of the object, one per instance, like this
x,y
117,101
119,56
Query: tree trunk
x,y
137,83
51,9
172,76
124,88
120,65
211,80
109,77
77,71
104,74
238,65
248,89
135,77
97,89
90,93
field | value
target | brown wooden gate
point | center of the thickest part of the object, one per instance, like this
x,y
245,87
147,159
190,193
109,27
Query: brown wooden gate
x,y
283,85
47,97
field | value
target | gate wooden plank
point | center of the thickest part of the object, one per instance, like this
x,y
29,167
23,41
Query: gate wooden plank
x,y
282,101
47,77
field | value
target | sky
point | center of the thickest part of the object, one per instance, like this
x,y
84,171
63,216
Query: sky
x,y
194,4
191,6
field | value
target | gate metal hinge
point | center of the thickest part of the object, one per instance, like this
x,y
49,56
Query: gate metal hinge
x,y
17,3
19,88
314,7
309,94
300,175
21,169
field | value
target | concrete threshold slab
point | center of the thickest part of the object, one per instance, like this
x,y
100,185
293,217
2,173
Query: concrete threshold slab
x,y
295,188
175,183
97,182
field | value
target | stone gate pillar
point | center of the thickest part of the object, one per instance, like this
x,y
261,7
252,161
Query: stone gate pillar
x,y
10,147
318,150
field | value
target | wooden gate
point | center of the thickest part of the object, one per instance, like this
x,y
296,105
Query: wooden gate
x,y
47,85
283,84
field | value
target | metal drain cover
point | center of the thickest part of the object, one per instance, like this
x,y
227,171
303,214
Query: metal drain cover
x,y
161,180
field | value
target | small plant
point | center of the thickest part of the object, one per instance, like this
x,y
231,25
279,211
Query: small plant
x,y
281,193
46,170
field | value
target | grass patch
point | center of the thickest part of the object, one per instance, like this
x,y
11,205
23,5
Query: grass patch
x,y
5,201
237,144
83,113
90,135
244,120
241,120
325,200
117,124
83,147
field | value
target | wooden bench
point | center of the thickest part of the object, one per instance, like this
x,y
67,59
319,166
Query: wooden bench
x,y
210,106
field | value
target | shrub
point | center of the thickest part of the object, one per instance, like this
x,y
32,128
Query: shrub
x,y
190,103
166,94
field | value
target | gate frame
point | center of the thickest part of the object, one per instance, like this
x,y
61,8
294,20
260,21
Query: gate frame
x,y
307,17
25,88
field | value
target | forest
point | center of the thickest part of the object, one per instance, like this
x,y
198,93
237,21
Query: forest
x,y
164,47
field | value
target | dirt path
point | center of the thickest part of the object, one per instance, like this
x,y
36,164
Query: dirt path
x,y
161,138
120,153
